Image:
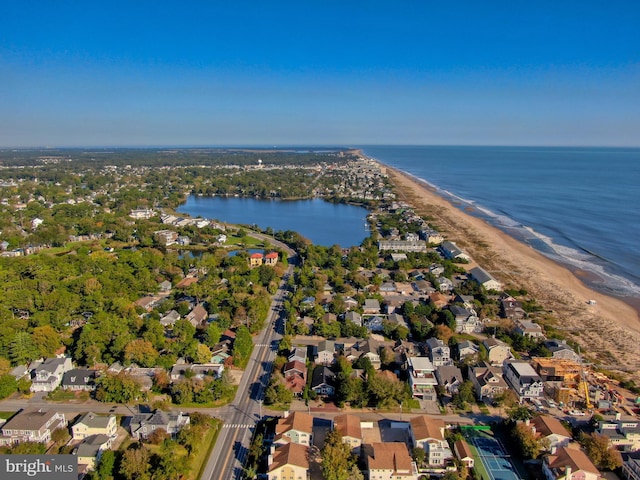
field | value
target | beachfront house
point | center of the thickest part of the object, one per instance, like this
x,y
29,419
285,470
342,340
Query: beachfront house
x,y
485,279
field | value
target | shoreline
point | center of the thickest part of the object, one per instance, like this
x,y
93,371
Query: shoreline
x,y
608,332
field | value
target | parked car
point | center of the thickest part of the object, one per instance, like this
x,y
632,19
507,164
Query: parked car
x,y
577,413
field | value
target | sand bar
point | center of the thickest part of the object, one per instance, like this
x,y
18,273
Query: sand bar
x,y
608,332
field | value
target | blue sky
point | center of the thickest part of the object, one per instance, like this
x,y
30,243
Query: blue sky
x,y
137,73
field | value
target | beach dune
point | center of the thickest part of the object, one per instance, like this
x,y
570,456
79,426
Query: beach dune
x,y
608,330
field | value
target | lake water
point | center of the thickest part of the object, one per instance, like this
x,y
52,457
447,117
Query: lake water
x,y
322,222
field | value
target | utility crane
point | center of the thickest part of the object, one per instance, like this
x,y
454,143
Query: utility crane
x,y
584,384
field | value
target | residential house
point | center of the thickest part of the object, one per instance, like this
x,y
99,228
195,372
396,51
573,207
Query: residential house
x,y
487,381
390,461
371,306
370,349
31,425
256,259
165,286
79,379
147,303
323,380
467,349
295,377
551,430
387,288
354,317
622,434
350,303
90,450
349,428
298,354
569,463
529,329
375,323
143,425
444,284
289,462
439,352
511,308
402,246
271,259
522,379
560,349
325,352
631,466
295,367
463,453
438,299
449,377
47,376
166,237
422,379
451,251
466,320
497,351
485,279
197,316
92,424
295,428
170,319
428,433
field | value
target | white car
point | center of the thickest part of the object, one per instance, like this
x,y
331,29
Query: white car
x,y
577,413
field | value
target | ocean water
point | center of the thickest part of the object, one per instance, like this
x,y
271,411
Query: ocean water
x,y
578,206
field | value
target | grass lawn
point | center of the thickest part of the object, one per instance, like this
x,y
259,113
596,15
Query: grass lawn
x,y
218,403
60,395
6,415
411,403
200,459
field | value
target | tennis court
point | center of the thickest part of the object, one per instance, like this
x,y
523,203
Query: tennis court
x,y
494,457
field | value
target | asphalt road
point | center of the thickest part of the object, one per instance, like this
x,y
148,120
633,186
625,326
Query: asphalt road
x,y
230,452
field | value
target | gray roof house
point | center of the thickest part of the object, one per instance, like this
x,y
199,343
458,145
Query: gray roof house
x,y
170,318
79,379
143,425
31,426
48,376
354,317
449,377
322,381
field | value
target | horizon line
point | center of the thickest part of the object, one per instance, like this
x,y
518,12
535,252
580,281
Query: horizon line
x,y
303,145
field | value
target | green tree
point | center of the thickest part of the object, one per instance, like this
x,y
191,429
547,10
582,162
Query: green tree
x,y
526,440
22,349
118,388
141,352
464,395
419,455
135,464
8,385
336,458
601,454
104,469
242,346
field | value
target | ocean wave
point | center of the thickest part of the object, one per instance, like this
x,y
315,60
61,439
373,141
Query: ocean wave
x,y
582,259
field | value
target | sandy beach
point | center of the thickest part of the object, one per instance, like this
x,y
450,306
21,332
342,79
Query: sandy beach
x,y
608,332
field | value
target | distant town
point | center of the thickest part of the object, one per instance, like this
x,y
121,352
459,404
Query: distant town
x,y
154,345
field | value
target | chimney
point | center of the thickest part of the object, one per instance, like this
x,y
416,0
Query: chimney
x,y
618,416
286,414
567,473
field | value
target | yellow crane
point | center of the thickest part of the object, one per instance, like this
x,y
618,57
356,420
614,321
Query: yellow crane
x,y
584,384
